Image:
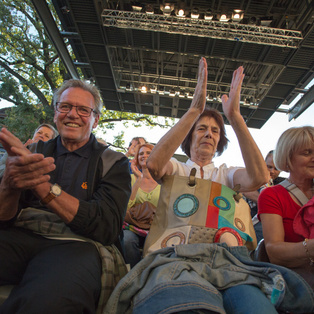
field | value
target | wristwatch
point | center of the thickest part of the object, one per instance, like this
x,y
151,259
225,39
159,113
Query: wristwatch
x,y
55,190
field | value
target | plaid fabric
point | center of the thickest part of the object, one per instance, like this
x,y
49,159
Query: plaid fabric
x,y
51,226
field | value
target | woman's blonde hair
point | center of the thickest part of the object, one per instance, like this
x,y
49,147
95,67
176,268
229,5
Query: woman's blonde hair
x,y
289,142
148,145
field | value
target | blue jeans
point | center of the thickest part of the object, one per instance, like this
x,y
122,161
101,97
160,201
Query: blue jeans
x,y
209,277
133,245
252,300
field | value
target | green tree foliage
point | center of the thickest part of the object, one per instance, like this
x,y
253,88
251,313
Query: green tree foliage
x,y
30,70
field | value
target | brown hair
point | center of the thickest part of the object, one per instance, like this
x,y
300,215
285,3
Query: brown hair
x,y
223,141
148,145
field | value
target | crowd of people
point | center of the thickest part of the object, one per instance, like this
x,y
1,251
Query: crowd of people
x,y
75,213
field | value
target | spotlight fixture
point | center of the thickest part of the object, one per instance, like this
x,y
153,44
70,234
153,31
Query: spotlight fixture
x,y
253,20
143,89
181,13
237,15
161,90
153,89
195,13
128,87
224,18
172,93
149,9
137,8
189,95
210,97
266,21
167,9
208,15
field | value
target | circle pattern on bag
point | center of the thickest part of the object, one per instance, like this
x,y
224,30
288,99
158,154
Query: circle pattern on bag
x,y
222,199
185,205
173,239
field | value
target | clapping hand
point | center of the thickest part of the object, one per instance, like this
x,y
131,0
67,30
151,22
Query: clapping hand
x,y
12,144
231,103
199,98
135,170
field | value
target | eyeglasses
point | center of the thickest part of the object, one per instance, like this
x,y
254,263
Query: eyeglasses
x,y
64,107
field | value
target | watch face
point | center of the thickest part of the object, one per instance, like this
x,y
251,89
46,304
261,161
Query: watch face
x,y
55,189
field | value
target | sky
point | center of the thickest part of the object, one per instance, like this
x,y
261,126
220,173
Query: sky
x,y
266,137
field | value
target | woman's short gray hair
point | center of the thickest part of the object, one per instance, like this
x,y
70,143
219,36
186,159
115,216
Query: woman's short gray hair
x,y
47,125
289,142
83,85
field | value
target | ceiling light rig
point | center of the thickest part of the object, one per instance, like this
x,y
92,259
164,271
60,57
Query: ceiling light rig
x,y
171,91
205,27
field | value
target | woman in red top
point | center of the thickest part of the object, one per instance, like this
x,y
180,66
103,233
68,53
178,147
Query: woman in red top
x,y
277,207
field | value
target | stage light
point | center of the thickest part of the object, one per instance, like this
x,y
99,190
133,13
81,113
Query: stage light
x,y
266,21
172,93
149,9
137,8
195,14
128,87
210,97
208,15
253,20
189,95
181,13
167,9
223,18
153,89
143,89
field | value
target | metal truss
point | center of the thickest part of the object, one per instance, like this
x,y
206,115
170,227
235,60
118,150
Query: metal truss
x,y
202,28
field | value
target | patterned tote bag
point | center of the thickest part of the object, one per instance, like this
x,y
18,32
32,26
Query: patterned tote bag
x,y
193,210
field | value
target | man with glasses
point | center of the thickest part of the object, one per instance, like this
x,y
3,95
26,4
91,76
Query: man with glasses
x,y
60,202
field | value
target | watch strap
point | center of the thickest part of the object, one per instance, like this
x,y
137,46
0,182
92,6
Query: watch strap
x,y
47,199
51,195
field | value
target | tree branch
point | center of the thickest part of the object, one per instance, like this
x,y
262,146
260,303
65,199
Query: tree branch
x,y
9,100
33,88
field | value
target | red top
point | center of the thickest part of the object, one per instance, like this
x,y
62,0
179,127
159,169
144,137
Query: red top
x,y
277,200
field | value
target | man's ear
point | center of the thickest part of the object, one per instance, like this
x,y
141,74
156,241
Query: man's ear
x,y
55,117
96,121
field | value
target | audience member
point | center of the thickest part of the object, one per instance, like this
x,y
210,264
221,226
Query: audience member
x,y
273,171
252,197
144,190
59,207
206,277
277,207
132,149
44,132
133,144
